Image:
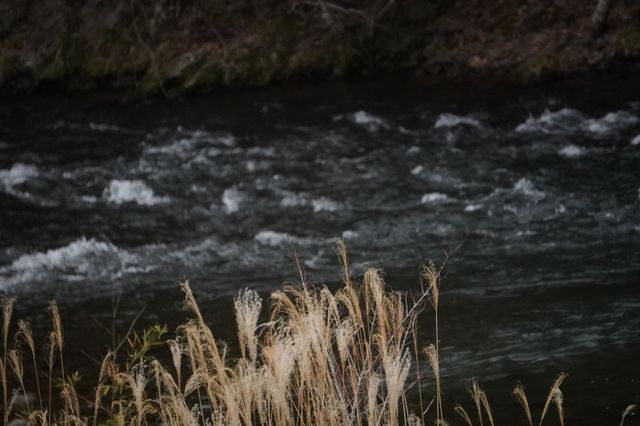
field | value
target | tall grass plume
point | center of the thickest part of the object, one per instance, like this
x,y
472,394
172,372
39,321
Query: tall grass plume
x,y
321,357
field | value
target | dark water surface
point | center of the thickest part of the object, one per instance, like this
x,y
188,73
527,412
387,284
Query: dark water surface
x,y
541,185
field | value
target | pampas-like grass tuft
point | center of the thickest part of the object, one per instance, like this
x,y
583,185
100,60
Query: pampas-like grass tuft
x,y
322,357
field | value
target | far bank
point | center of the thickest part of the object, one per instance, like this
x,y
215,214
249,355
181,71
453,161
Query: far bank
x,y
174,47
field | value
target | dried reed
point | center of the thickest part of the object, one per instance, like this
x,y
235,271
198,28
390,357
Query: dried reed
x,y
321,357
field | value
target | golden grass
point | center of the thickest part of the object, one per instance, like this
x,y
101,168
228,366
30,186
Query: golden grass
x,y
322,357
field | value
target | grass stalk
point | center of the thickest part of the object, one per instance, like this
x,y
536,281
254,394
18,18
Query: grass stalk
x,y
323,357
7,312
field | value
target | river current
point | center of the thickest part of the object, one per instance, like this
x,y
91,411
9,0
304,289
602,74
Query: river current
x,y
539,187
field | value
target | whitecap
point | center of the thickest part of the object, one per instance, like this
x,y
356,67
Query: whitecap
x,y
417,170
367,120
595,126
81,259
525,186
272,238
324,204
610,122
257,166
568,120
620,118
199,253
434,197
413,150
180,148
291,199
185,149
551,121
18,173
636,140
225,139
452,120
472,207
231,198
192,144
443,177
349,234
572,151
315,261
131,191
510,208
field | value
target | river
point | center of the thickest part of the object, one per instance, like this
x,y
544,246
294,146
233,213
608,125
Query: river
x,y
539,186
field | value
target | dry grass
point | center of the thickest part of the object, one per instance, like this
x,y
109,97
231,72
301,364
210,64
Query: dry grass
x,y
322,357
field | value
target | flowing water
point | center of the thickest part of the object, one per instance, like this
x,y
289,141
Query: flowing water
x,y
541,186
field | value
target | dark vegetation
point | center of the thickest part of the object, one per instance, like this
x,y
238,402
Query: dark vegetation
x,y
177,46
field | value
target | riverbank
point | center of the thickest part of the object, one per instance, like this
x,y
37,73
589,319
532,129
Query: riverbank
x,y
173,47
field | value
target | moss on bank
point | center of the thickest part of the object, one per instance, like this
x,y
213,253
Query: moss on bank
x,y
177,46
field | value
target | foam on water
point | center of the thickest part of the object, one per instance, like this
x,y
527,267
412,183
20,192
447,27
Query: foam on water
x,y
417,170
225,139
131,191
472,207
611,121
253,166
525,186
18,173
181,147
315,261
324,204
551,121
572,151
441,176
434,197
567,120
413,150
349,234
635,141
452,120
619,118
321,204
291,199
367,120
192,144
272,238
79,260
198,253
231,198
